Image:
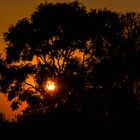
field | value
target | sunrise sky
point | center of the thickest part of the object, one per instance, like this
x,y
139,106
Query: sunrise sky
x,y
13,10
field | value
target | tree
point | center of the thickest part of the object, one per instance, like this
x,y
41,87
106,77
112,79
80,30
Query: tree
x,y
116,74
44,48
87,54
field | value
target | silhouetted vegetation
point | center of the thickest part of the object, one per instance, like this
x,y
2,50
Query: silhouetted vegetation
x,y
93,58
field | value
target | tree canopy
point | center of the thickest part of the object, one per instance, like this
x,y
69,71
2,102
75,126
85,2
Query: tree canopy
x,y
92,57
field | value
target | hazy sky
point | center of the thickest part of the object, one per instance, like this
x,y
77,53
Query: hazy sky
x,y
13,10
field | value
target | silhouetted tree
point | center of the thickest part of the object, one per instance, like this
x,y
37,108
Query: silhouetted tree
x,y
116,73
92,57
44,47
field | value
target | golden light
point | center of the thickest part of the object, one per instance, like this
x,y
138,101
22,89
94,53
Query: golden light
x,y
50,85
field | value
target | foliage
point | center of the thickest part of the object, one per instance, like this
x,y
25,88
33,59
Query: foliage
x,y
93,57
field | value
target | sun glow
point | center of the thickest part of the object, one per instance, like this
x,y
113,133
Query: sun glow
x,y
50,85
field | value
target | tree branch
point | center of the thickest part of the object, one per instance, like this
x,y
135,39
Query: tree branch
x,y
32,86
88,58
42,59
58,63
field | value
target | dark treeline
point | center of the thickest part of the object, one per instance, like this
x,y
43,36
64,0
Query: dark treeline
x,y
92,57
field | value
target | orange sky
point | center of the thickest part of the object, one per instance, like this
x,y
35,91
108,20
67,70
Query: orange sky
x,y
13,10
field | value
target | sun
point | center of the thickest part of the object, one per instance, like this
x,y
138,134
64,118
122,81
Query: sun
x,y
50,85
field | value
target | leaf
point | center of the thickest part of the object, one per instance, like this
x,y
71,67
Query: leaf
x,y
15,105
11,95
